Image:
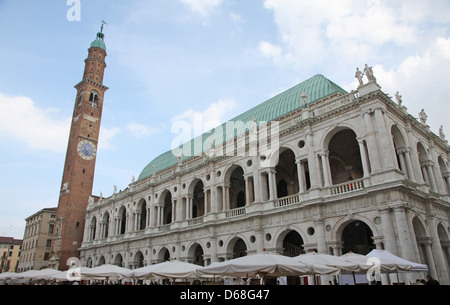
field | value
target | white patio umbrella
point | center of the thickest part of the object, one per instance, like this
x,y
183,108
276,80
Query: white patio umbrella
x,y
386,265
69,275
171,269
107,271
7,276
329,260
266,264
42,274
384,254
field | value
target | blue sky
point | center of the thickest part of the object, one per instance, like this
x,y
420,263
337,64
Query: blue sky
x,y
172,60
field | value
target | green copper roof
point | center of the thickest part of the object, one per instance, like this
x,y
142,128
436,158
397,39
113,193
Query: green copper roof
x,y
99,42
316,88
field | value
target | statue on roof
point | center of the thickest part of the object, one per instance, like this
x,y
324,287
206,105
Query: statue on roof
x,y
368,71
399,99
359,76
441,133
103,23
423,117
304,98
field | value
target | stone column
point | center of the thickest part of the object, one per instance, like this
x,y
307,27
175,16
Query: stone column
x,y
439,182
312,161
320,236
257,186
437,248
404,234
160,215
429,170
190,201
137,221
326,169
272,185
384,137
372,144
301,176
226,197
446,177
101,229
247,191
426,243
118,224
401,158
364,158
414,156
409,167
388,231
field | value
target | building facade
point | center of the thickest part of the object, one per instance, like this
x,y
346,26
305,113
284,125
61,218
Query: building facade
x,y
10,250
314,168
79,167
37,240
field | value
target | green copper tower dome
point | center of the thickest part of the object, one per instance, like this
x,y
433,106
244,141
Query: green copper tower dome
x,y
99,41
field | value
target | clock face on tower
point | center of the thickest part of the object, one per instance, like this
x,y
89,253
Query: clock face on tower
x,y
87,150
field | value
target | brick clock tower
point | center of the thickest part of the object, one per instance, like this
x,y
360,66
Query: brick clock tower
x,y
78,174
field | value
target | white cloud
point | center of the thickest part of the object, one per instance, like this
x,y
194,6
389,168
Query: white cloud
x,y
139,130
105,141
269,50
21,119
350,30
202,7
419,79
200,122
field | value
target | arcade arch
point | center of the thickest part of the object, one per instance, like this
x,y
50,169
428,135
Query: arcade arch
x,y
138,260
357,237
344,160
286,174
142,215
237,247
198,200
101,261
164,255
292,243
105,225
195,255
122,220
92,228
237,195
166,198
118,260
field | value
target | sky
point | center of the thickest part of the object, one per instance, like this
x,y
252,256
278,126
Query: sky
x,y
184,60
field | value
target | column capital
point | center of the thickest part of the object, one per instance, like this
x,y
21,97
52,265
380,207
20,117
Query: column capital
x,y
361,140
325,153
425,241
301,161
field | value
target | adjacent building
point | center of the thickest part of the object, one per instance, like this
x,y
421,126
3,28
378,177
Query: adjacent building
x,y
37,240
9,253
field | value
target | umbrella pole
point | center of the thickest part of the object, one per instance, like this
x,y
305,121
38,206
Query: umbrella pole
x,y
354,278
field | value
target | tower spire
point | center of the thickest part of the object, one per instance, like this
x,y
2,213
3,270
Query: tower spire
x,y
99,41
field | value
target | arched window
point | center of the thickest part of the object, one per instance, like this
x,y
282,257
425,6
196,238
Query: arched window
x,y
93,99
